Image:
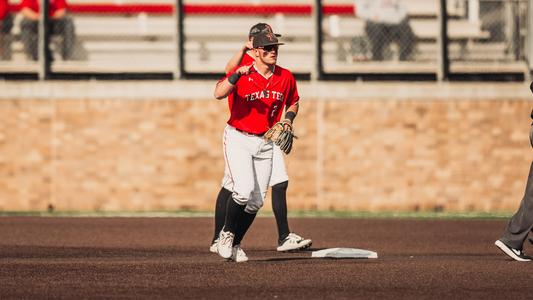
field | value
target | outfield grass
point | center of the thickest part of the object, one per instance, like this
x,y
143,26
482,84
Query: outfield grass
x,y
293,214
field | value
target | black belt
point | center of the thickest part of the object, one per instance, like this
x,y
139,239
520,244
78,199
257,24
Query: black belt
x,y
248,133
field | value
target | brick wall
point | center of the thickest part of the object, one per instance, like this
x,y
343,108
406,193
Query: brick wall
x,y
109,155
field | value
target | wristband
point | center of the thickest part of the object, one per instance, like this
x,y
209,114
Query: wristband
x,y
233,78
290,115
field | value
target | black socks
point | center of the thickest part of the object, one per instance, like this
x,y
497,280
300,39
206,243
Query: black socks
x,y
243,224
220,210
225,203
279,206
234,213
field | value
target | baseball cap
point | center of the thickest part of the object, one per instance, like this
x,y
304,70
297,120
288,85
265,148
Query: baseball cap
x,y
259,28
265,39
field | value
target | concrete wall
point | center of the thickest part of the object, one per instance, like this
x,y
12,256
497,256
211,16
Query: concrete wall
x,y
362,147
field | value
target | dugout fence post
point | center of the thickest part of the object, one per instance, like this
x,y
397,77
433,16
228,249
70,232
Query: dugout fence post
x,y
443,60
318,68
179,40
43,51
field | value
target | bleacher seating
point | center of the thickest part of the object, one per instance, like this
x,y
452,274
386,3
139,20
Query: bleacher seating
x,y
115,38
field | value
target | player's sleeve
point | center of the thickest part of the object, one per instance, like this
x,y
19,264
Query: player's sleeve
x,y
293,96
61,4
228,74
247,60
25,4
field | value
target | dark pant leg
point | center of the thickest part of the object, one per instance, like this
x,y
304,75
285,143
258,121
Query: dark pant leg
x,y
65,28
521,223
405,38
29,32
376,36
6,38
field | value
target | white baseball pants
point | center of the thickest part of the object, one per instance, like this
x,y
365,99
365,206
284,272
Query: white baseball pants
x,y
249,166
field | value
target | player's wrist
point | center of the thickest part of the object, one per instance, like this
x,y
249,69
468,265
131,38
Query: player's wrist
x,y
233,78
290,115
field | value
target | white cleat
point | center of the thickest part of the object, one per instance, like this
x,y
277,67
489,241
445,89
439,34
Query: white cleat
x,y
516,254
225,244
294,242
238,255
213,247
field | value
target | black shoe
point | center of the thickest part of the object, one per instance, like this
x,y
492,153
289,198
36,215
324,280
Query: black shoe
x,y
516,254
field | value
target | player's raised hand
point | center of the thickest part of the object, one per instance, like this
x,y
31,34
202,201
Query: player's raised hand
x,y
244,70
249,45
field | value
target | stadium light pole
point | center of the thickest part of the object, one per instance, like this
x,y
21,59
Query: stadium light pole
x,y
179,40
317,71
44,38
443,60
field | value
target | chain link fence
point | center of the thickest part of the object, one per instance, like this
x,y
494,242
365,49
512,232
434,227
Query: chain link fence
x,y
488,35
380,36
215,32
358,36
88,36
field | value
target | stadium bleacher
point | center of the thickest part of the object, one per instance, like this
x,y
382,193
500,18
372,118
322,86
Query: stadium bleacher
x,y
112,35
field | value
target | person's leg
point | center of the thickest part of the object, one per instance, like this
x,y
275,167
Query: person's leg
x,y
279,182
65,28
406,39
374,32
238,149
220,207
262,170
279,206
220,211
243,225
30,39
5,37
234,212
521,222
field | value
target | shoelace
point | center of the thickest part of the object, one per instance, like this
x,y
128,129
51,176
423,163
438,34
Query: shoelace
x,y
227,239
296,237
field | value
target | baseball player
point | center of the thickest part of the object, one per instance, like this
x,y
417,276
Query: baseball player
x,y
257,94
279,180
521,222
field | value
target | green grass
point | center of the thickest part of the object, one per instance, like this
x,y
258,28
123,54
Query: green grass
x,y
294,214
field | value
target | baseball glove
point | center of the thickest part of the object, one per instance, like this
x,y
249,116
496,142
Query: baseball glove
x,y
281,134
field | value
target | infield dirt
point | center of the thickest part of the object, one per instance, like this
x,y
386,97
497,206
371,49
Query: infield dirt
x,y
166,258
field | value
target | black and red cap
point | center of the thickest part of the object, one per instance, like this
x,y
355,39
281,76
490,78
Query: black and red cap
x,y
265,39
261,28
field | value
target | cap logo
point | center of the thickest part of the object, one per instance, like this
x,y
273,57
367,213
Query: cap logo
x,y
270,36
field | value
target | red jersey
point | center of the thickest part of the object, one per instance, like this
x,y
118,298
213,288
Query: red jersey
x,y
247,59
4,9
256,102
54,5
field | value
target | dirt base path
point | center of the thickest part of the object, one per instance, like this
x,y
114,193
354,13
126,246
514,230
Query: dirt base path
x,y
169,258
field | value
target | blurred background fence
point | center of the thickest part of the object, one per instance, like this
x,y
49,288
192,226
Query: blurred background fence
x,y
187,38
